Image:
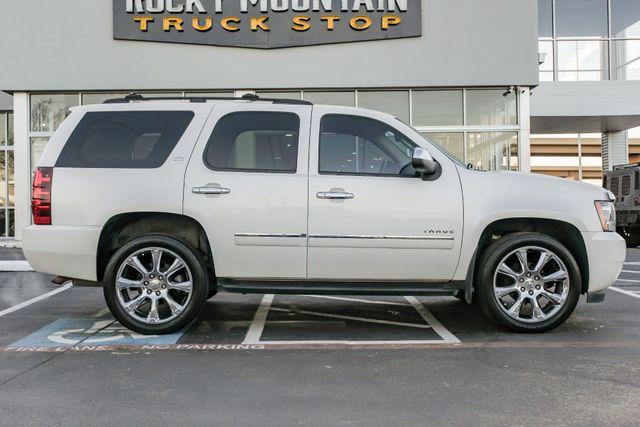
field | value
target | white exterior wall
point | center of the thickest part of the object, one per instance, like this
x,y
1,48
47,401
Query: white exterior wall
x,y
22,161
615,149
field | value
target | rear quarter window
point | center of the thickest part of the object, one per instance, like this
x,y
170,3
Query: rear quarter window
x,y
124,139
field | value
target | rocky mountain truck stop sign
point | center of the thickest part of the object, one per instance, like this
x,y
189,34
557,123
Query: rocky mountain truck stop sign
x,y
265,24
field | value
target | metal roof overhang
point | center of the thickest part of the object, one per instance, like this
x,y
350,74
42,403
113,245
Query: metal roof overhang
x,y
585,107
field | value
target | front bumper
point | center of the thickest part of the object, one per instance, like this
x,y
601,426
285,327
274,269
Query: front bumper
x,y
606,253
67,251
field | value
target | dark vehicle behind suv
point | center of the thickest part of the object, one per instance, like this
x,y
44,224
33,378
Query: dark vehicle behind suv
x,y
624,182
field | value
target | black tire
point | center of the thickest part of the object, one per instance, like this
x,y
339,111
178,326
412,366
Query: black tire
x,y
199,292
501,248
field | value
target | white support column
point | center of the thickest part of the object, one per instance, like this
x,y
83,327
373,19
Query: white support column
x,y
615,149
22,163
524,118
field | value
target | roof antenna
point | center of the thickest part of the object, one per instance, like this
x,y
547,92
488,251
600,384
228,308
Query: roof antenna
x,y
134,97
250,97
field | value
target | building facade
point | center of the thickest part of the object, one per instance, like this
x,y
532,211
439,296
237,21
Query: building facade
x,y
471,75
586,109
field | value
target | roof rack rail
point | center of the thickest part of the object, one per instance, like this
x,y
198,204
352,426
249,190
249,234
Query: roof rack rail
x,y
198,99
628,165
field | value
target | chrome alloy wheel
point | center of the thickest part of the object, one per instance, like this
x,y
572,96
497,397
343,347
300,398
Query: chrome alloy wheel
x,y
531,284
154,285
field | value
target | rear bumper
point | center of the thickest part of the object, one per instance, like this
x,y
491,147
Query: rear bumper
x,y
606,253
68,251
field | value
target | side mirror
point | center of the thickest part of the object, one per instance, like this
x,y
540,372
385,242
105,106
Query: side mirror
x,y
423,163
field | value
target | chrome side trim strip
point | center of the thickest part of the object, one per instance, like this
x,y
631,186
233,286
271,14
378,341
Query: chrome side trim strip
x,y
270,235
373,237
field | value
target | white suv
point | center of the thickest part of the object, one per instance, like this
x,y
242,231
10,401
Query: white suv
x,y
165,202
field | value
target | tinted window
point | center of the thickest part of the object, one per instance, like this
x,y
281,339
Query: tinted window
x,y
357,145
581,18
625,18
545,18
255,141
131,139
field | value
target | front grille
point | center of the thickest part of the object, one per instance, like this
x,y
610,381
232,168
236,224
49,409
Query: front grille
x,y
615,185
626,185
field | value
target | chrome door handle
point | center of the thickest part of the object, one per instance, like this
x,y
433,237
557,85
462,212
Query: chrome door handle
x,y
334,195
210,190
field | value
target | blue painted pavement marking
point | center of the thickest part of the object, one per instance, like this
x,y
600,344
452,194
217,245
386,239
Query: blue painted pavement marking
x,y
90,331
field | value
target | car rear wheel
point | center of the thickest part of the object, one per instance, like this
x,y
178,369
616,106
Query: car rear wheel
x,y
155,285
528,282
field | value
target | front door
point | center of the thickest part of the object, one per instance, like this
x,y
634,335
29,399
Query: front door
x,y
370,217
247,185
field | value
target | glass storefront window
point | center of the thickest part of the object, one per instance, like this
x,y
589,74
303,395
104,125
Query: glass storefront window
x,y
3,129
347,99
625,18
545,18
49,110
11,180
582,60
392,102
10,129
491,108
3,178
493,150
284,95
545,48
437,108
581,18
12,223
99,98
452,142
625,58
37,147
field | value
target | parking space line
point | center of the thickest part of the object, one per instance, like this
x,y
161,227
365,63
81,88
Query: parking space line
x,y
34,300
628,280
101,313
431,320
359,300
357,319
632,263
348,343
630,271
259,320
622,291
17,266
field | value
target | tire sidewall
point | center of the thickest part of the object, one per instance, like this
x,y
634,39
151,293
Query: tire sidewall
x,y
200,285
489,263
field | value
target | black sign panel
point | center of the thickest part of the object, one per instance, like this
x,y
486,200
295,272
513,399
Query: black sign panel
x,y
266,24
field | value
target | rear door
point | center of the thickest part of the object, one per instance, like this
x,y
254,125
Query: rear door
x,y
246,183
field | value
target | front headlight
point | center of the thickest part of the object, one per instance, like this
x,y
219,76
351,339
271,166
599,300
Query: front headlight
x,y
607,215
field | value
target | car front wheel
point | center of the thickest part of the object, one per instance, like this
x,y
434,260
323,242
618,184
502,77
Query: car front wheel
x,y
528,282
155,285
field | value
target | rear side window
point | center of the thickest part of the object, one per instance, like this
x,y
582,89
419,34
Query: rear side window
x,y
254,142
124,139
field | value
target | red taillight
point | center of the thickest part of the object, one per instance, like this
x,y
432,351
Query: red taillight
x,y
41,196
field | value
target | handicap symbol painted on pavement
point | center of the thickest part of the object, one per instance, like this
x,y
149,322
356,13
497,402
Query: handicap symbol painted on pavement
x,y
90,331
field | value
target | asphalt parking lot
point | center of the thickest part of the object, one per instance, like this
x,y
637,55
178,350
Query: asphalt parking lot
x,y
282,360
